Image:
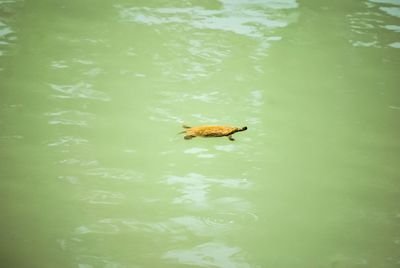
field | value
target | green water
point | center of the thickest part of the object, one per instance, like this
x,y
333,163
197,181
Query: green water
x,y
94,174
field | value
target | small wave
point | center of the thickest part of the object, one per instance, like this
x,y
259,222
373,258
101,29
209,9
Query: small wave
x,y
11,137
365,25
71,117
393,2
59,64
163,115
226,148
115,174
394,28
103,226
199,152
239,17
392,11
80,90
210,254
202,226
69,179
68,141
78,162
395,45
194,189
195,150
5,30
101,197
205,119
242,217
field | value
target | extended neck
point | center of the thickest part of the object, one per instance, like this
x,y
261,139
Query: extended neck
x,y
239,129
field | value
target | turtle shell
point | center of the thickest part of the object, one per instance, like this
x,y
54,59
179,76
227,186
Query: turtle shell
x,y
211,131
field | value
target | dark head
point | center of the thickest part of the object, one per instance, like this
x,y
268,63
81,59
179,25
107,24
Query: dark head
x,y
242,129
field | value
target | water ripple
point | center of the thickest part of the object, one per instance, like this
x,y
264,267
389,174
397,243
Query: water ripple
x,y
198,54
239,17
70,117
80,90
226,148
211,254
115,174
79,162
182,226
393,2
366,25
199,152
68,141
163,115
194,189
104,198
7,36
59,64
11,137
116,225
213,96
206,227
4,30
69,179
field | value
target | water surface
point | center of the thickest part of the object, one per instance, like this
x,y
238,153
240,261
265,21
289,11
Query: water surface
x,y
94,174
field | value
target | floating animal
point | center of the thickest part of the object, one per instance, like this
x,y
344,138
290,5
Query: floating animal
x,y
211,131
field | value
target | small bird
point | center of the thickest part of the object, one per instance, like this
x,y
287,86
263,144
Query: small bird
x,y
211,131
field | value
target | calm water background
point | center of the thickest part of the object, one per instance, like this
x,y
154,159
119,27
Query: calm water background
x,y
93,94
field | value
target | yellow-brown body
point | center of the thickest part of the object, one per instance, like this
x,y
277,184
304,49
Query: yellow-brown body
x,y
211,131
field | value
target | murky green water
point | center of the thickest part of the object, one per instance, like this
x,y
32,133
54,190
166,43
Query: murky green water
x,y
93,173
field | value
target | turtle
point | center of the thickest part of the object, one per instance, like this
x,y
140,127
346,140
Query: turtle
x,y
211,131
